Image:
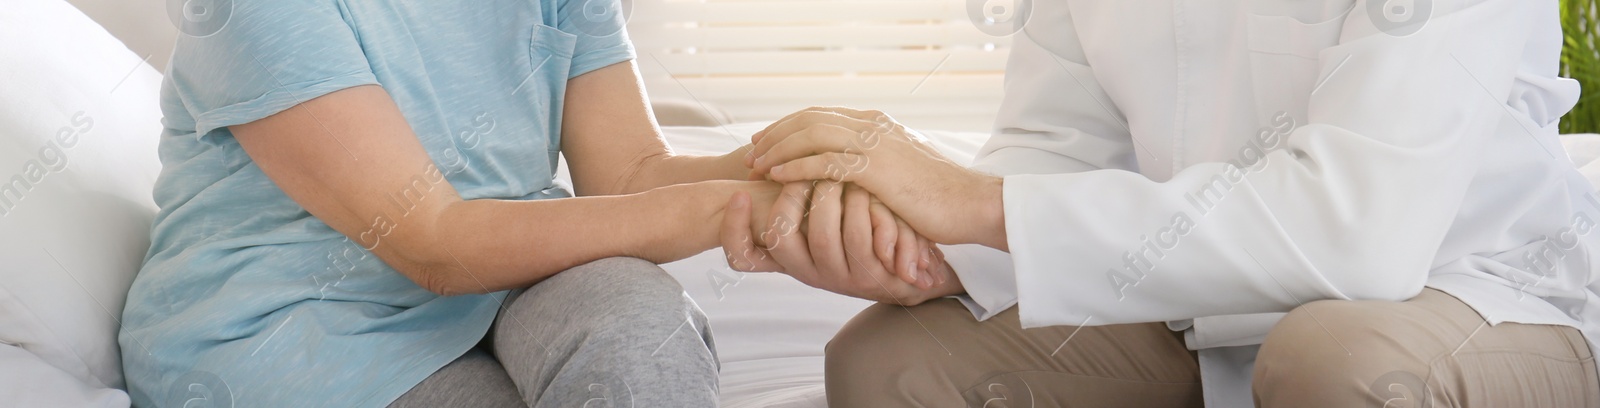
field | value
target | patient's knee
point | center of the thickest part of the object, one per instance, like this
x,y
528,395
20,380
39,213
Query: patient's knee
x,y
617,284
630,291
612,297
618,322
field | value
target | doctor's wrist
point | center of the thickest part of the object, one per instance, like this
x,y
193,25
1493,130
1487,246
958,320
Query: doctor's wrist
x,y
988,206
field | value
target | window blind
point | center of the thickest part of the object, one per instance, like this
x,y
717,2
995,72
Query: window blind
x,y
922,61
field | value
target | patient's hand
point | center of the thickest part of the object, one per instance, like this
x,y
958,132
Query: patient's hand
x,y
835,237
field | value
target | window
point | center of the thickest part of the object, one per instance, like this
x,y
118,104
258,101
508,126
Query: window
x,y
922,61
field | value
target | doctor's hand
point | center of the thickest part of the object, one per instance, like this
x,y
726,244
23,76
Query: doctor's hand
x,y
939,198
832,246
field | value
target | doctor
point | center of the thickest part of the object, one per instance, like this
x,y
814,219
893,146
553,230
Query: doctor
x,y
1230,203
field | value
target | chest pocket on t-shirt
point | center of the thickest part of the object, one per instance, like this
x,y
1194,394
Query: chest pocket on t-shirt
x,y
550,59
540,92
512,146
1284,53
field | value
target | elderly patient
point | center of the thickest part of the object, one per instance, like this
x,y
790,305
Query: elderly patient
x,y
358,210
1271,203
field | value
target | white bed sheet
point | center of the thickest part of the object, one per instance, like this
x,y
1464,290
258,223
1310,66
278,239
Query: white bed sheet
x,y
770,330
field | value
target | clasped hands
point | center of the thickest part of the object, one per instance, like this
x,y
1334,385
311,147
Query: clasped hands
x,y
862,202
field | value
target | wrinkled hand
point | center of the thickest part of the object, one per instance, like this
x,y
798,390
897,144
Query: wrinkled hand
x,y
833,236
896,164
873,234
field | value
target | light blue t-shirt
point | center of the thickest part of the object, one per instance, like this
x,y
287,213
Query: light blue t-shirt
x,y
244,296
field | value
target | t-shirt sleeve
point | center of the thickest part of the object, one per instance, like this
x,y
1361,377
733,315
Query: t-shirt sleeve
x,y
269,56
600,27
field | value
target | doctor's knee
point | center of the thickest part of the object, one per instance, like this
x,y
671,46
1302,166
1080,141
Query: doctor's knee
x,y
1326,352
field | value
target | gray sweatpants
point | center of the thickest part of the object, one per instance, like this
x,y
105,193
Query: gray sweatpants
x,y
617,332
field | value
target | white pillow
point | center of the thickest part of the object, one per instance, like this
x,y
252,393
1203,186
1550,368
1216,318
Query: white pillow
x,y
1585,152
79,124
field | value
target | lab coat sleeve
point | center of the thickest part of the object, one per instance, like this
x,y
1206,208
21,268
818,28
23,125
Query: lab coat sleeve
x,y
1354,207
986,274
1054,119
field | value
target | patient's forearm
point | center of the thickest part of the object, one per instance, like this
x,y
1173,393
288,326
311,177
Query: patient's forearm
x,y
669,169
490,245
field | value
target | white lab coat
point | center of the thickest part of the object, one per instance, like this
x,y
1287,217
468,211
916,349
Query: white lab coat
x,y
1215,163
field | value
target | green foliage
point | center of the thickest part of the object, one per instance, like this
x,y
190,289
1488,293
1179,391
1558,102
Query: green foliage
x,y
1580,60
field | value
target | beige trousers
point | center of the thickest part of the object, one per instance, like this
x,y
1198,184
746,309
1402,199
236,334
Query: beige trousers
x,y
1430,351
